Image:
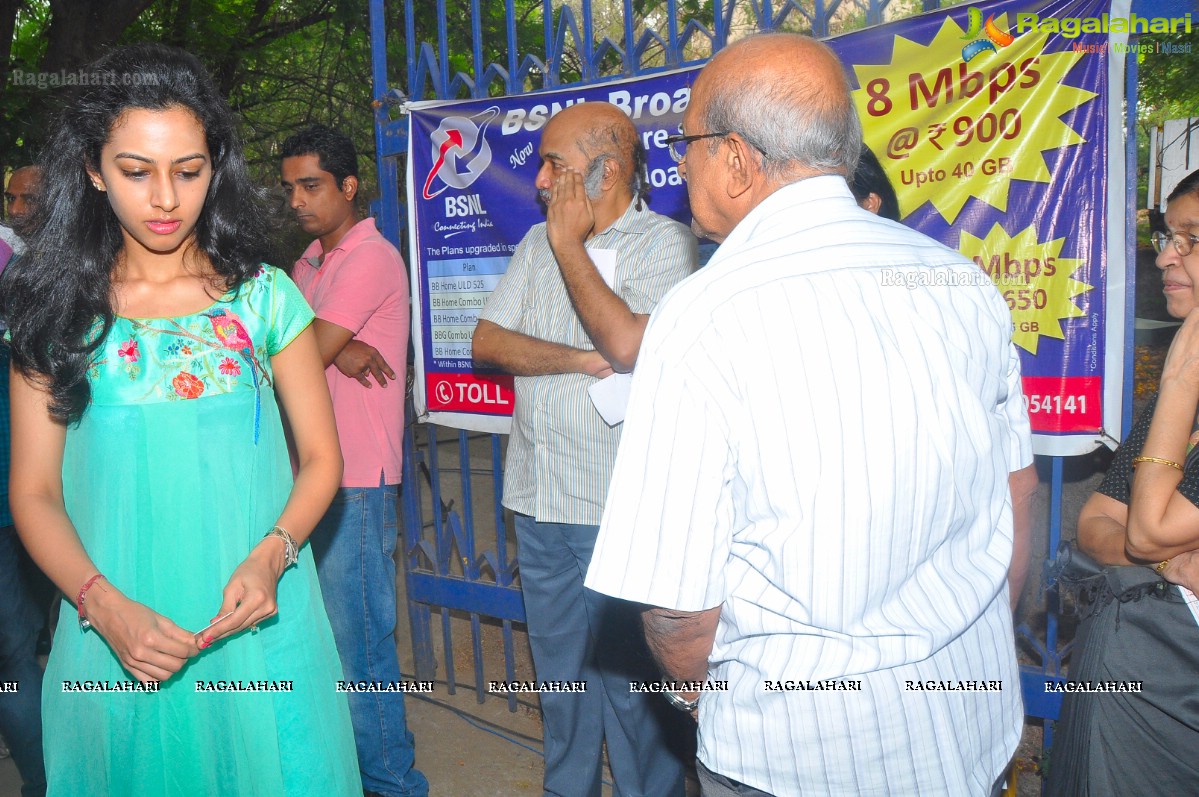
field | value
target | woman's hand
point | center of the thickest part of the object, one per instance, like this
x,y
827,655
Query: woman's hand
x,y
150,646
1183,569
1182,360
250,593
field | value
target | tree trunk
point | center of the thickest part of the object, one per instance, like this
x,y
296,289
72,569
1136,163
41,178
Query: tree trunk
x,y
82,30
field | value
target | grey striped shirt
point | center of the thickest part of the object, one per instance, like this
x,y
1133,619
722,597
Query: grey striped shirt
x,y
560,452
819,438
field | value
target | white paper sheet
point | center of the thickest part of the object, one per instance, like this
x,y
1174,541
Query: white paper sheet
x,y
610,396
605,264
1192,601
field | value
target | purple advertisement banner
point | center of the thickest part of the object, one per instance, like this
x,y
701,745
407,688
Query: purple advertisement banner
x,y
994,122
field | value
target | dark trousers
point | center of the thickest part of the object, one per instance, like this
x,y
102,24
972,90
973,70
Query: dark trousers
x,y
577,634
20,673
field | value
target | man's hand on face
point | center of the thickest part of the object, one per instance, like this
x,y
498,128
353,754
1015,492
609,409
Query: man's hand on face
x,y
569,216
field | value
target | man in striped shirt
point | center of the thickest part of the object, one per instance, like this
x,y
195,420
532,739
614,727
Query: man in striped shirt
x,y
571,309
812,488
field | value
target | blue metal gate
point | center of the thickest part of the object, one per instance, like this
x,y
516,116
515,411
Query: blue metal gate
x,y
458,556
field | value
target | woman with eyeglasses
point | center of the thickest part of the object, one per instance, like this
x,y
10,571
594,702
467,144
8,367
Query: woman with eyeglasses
x,y
1140,633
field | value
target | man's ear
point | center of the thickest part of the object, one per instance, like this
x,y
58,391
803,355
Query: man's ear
x,y
741,165
349,187
611,174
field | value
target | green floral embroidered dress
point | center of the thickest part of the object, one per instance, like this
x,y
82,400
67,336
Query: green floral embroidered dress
x,y
177,469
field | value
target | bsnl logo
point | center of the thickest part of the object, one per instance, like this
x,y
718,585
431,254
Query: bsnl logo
x,y
460,154
468,205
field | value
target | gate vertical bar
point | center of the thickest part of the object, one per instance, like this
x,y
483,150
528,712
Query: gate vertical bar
x,y
1130,235
630,41
443,47
391,143
470,569
419,614
673,56
1053,658
476,35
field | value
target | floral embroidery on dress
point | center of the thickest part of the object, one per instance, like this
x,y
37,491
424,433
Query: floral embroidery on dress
x,y
187,385
218,351
128,351
231,332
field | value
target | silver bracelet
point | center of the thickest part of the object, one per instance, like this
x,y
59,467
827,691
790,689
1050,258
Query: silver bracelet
x,y
291,551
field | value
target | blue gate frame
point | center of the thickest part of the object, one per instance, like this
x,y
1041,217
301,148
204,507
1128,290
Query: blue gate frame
x,y
443,565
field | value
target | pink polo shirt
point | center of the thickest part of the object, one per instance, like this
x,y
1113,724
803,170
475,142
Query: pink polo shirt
x,y
362,286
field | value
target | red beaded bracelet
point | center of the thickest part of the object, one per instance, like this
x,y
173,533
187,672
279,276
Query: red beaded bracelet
x,y
83,621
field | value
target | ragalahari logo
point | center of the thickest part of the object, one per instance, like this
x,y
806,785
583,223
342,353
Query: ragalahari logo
x,y
990,35
460,151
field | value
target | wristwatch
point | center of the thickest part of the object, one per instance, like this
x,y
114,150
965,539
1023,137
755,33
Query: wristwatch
x,y
680,702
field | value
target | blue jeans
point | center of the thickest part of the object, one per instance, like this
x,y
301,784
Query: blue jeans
x,y
353,545
578,634
20,711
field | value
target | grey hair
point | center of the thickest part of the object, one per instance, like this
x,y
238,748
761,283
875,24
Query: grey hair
x,y
594,176
791,126
619,143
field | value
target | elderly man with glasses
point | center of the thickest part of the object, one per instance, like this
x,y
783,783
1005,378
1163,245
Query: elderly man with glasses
x,y
812,490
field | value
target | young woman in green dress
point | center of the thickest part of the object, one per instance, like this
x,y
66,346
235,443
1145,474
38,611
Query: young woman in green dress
x,y
151,479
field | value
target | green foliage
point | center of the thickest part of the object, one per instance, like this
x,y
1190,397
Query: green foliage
x,y
1168,82
1167,88
282,63
459,55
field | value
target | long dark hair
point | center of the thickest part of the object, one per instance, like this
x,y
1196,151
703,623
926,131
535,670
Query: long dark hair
x,y
54,296
870,178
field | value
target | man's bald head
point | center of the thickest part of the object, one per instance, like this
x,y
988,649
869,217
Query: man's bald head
x,y
787,96
602,132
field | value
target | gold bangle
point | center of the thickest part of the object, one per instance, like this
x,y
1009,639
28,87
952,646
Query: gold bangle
x,y
1161,566
1138,460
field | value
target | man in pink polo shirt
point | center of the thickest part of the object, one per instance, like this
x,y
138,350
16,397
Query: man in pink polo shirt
x,y
355,281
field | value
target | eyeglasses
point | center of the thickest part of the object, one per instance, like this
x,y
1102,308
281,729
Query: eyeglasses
x,y
1183,242
677,145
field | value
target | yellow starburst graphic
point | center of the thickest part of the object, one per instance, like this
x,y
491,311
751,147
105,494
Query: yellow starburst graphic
x,y
1033,278
946,130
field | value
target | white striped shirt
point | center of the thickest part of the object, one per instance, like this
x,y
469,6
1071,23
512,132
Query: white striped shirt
x,y
560,452
818,440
